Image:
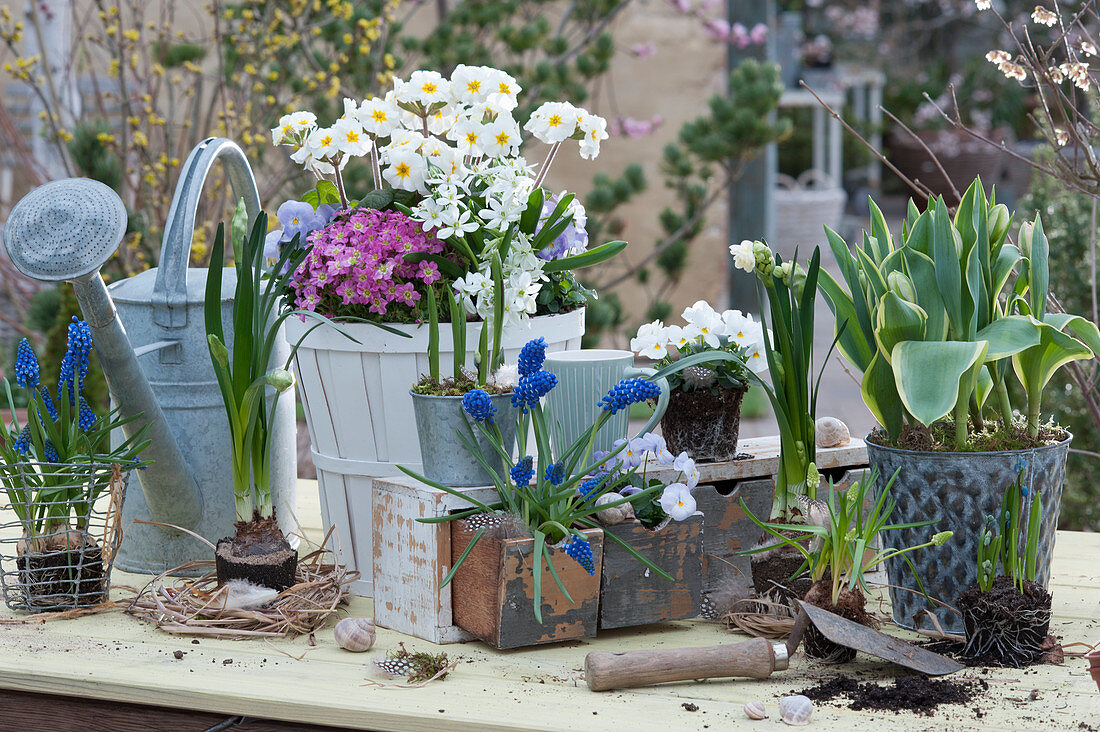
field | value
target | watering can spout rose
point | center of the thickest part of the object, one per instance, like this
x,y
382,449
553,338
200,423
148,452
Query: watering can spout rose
x,y
66,230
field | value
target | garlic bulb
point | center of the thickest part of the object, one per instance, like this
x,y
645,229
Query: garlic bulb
x,y
355,634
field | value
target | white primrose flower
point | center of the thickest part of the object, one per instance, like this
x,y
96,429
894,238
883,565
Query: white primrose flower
x,y
425,88
504,91
553,122
471,84
468,135
707,320
651,341
293,128
677,501
741,329
677,337
378,116
743,256
404,141
593,129
406,170
501,137
757,361
350,137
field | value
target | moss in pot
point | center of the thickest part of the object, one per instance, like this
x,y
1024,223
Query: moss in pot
x,y
704,412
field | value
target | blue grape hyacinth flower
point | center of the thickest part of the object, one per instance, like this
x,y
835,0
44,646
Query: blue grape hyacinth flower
x,y
26,365
580,550
531,388
523,471
532,356
555,473
86,417
74,365
590,486
627,392
478,405
22,444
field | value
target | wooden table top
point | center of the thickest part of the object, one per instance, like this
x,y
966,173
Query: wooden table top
x,y
112,656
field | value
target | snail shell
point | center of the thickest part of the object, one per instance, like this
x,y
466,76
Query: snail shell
x,y
355,634
796,710
616,514
831,432
756,710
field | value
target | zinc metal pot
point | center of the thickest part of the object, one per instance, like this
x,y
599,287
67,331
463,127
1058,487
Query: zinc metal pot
x,y
440,420
958,490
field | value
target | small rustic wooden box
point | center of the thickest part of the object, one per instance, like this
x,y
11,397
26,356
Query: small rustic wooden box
x,y
412,558
727,530
494,596
632,594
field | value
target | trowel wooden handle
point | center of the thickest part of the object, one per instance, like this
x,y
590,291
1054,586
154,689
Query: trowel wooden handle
x,y
755,659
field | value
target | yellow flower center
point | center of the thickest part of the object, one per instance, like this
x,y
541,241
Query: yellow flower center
x,y
353,136
471,138
502,138
288,129
378,115
403,170
326,140
473,86
555,120
428,88
504,88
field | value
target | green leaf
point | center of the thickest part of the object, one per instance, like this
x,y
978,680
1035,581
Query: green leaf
x,y
897,320
853,343
239,229
1039,277
922,273
529,219
945,256
446,266
377,199
884,243
929,375
596,255
1008,336
1036,366
327,192
1080,328
880,394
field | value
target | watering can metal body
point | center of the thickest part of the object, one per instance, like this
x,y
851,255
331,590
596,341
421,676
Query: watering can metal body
x,y
162,312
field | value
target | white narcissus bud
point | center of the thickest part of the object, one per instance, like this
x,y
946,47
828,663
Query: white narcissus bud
x,y
1027,229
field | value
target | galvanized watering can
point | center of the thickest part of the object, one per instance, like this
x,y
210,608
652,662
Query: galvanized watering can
x,y
154,353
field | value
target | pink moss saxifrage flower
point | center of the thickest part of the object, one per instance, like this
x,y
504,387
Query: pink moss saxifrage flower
x,y
357,266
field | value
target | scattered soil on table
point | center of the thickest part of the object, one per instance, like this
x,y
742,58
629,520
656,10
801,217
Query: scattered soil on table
x,y
1005,627
850,604
940,437
917,694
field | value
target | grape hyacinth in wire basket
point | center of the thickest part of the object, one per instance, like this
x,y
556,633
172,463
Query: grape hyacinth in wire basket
x,y
64,483
555,499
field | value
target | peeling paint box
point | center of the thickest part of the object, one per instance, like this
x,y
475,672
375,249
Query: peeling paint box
x,y
411,558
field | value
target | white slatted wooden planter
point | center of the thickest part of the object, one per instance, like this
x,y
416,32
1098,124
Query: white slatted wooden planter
x,y
360,416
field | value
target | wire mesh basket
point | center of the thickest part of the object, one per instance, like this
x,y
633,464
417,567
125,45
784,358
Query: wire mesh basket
x,y
59,532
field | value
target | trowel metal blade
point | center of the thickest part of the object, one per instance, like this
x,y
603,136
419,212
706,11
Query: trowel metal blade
x,y
848,633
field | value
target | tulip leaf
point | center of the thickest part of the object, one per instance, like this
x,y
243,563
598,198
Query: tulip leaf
x,y
928,375
1008,336
984,386
1080,328
1038,274
922,273
880,233
920,235
1003,266
880,394
1037,365
897,320
945,255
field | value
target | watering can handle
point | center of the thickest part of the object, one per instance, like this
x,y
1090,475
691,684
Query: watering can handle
x,y
170,289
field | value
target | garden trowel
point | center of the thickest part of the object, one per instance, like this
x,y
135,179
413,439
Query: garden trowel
x,y
756,658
